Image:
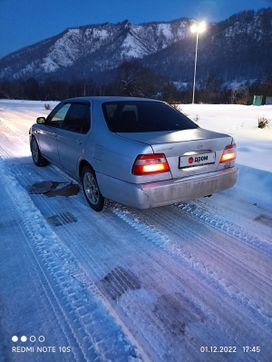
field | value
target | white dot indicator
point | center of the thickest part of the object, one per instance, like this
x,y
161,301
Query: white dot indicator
x,y
23,339
14,339
32,339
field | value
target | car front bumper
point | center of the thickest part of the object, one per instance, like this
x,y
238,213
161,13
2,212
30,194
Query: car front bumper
x,y
154,194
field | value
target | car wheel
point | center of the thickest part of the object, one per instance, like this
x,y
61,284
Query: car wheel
x,y
91,189
36,154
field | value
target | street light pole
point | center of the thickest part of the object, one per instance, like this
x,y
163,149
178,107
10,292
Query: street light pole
x,y
196,55
197,28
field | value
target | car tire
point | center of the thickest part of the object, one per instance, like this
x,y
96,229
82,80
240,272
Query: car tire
x,y
91,189
37,158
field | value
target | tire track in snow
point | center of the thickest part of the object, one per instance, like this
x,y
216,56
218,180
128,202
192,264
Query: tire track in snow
x,y
234,307
220,257
98,269
46,286
203,215
147,316
50,207
85,316
52,300
41,280
238,211
149,231
94,264
54,205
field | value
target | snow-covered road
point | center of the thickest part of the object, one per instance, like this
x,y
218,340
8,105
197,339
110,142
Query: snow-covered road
x,y
124,284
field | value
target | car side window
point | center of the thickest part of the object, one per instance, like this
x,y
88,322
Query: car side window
x,y
55,119
78,118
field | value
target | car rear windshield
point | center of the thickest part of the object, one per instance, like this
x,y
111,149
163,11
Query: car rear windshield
x,y
144,116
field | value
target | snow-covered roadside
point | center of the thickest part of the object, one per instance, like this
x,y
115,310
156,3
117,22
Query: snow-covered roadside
x,y
254,144
254,186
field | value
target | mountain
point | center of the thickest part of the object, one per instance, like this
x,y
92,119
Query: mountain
x,y
92,48
238,48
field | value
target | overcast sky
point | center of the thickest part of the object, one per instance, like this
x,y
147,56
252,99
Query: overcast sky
x,y
24,22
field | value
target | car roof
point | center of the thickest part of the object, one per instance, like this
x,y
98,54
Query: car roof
x,y
101,99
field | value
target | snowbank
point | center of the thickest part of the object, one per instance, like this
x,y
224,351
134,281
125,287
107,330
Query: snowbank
x,y
254,144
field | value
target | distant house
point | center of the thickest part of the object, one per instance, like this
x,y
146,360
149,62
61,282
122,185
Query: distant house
x,y
268,100
260,100
257,100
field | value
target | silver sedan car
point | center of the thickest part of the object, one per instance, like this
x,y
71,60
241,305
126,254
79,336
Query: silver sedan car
x,y
139,152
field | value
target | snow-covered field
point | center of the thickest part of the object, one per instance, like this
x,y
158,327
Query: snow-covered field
x,y
129,285
254,144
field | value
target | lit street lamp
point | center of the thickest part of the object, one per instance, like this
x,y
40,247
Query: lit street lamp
x,y
197,28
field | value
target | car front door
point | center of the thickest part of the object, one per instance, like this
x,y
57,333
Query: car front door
x,y
47,133
72,135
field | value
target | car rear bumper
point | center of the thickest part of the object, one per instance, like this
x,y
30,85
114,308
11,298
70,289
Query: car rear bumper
x,y
154,194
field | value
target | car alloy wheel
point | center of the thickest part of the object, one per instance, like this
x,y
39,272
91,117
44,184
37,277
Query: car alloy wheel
x,y
36,154
35,150
91,189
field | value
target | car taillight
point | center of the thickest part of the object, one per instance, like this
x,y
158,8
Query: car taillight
x,y
150,164
229,153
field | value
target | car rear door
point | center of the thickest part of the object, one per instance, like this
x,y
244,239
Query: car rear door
x,y
72,136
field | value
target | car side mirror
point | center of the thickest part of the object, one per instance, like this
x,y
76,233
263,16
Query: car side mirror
x,y
41,120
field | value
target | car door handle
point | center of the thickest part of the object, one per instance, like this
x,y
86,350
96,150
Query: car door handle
x,y
52,134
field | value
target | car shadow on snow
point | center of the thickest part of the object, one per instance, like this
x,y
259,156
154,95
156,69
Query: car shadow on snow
x,y
54,188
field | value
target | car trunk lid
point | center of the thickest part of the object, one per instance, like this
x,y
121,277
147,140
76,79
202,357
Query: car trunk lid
x,y
188,152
